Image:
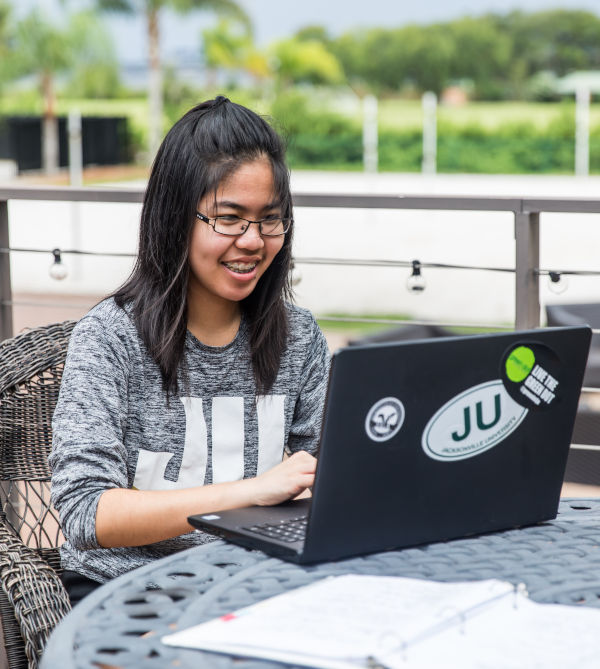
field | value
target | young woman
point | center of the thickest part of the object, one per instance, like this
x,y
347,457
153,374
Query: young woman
x,y
182,392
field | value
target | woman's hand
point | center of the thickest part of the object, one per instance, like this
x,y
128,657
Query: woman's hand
x,y
288,479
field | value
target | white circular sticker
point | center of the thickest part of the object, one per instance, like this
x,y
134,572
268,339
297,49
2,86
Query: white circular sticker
x,y
384,419
472,422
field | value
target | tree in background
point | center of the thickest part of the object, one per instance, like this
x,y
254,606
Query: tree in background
x,y
314,33
151,9
424,56
498,53
44,49
299,61
95,70
229,46
382,59
558,41
481,52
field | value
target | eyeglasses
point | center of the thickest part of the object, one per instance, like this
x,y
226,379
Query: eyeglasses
x,y
234,226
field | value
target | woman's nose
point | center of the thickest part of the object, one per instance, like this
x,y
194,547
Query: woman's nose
x,y
251,239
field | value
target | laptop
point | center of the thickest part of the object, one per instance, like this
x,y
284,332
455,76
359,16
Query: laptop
x,y
429,440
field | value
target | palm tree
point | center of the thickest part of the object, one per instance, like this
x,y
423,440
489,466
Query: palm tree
x,y
151,11
44,49
231,47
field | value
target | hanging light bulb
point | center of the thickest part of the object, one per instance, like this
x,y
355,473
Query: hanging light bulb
x,y
415,282
58,270
558,282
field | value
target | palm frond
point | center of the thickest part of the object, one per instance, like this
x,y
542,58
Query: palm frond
x,y
225,8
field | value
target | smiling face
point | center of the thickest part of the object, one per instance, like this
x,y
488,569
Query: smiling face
x,y
225,270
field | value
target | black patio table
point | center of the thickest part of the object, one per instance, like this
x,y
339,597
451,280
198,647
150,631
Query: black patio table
x,y
122,622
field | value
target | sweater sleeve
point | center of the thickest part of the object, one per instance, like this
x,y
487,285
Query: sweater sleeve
x,y
88,455
306,426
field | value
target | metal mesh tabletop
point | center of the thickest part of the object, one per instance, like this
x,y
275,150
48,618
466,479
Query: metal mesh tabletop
x,y
121,623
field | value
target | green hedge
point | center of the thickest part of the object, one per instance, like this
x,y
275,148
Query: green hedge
x,y
323,151
505,155
466,149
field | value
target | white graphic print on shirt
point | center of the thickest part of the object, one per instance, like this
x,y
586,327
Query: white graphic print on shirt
x,y
227,444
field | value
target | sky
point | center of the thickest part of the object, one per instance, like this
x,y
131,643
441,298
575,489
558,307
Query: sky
x,y
277,19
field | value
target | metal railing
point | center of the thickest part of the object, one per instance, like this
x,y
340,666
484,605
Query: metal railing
x,y
526,212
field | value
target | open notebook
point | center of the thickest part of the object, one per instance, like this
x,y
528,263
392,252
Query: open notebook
x,y
399,623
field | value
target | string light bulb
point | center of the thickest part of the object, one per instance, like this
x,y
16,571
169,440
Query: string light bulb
x,y
557,283
58,270
415,282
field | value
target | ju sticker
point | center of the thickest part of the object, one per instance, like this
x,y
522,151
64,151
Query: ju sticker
x,y
531,373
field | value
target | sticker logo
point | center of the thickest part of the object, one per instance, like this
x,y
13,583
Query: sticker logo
x,y
472,422
531,373
384,419
519,363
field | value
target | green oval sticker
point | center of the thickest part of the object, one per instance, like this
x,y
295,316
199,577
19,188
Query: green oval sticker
x,y
519,363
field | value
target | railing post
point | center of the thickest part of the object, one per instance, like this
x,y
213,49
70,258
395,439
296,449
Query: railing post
x,y
527,280
6,315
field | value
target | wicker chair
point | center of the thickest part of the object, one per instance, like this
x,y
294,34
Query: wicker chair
x,y
32,598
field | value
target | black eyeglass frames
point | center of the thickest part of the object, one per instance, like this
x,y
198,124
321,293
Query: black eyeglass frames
x,y
235,226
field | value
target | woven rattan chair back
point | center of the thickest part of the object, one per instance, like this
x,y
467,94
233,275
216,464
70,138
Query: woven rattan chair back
x,y
31,367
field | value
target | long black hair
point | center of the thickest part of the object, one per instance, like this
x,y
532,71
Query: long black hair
x,y
201,150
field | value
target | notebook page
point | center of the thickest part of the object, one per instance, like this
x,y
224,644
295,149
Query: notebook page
x,y
532,635
346,618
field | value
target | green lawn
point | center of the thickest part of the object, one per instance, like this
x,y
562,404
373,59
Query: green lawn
x,y
393,113
30,102
408,113
134,108
356,329
336,322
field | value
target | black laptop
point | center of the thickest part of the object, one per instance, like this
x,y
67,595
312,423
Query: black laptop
x,y
429,440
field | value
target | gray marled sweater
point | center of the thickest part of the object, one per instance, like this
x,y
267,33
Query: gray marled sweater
x,y
113,427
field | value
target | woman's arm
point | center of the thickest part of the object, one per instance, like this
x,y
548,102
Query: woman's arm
x,y
126,517
91,478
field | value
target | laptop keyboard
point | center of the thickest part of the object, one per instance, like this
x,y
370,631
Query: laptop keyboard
x,y
290,530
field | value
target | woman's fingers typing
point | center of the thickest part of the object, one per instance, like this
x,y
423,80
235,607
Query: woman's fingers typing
x,y
287,479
